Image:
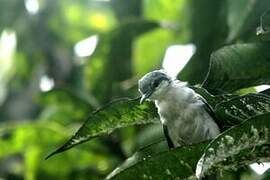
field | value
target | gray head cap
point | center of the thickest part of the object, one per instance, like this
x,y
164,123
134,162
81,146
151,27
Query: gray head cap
x,y
151,80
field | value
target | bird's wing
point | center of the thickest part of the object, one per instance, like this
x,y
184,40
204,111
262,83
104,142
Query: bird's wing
x,y
210,111
166,133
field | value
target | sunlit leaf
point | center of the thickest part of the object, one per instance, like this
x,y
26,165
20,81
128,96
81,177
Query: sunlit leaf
x,y
238,66
241,145
118,114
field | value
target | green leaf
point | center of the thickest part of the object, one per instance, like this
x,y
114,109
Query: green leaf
x,y
238,66
212,100
266,175
238,109
178,163
117,114
241,145
230,109
141,155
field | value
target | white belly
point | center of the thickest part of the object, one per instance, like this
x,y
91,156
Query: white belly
x,y
187,123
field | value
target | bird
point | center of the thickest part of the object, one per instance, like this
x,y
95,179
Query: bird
x,y
185,115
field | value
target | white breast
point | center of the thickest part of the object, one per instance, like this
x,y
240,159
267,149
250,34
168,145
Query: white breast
x,y
183,112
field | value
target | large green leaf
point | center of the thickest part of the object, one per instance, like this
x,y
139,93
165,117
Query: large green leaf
x,y
231,110
238,109
241,145
178,163
212,100
238,66
117,114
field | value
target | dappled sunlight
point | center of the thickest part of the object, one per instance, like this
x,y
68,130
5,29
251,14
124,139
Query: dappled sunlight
x,y
8,42
99,21
86,47
260,168
32,6
46,83
262,88
176,57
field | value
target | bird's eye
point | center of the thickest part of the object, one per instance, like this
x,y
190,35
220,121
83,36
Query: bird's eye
x,y
155,84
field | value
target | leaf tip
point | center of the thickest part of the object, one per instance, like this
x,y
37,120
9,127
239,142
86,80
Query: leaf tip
x,y
52,154
59,150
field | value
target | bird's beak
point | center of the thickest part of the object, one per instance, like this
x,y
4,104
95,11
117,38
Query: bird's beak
x,y
145,96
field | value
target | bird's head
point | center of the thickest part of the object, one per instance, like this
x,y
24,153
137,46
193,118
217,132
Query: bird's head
x,y
154,85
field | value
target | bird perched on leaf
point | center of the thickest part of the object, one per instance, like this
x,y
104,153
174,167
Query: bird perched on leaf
x,y
184,114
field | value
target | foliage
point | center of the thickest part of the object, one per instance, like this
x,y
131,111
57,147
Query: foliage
x,y
224,74
232,53
240,145
185,159
118,114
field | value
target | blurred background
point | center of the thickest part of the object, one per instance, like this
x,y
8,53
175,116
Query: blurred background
x,y
60,60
